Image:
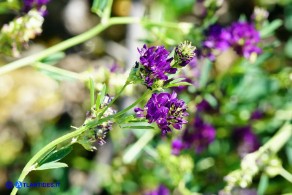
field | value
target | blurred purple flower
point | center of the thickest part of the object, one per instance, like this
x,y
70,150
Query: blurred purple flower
x,y
217,38
177,146
164,109
38,4
156,64
161,190
203,135
244,39
204,106
256,115
246,139
199,136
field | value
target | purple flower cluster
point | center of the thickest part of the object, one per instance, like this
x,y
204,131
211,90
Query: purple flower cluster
x,y
38,4
199,136
164,109
246,139
155,64
161,190
217,38
241,36
244,39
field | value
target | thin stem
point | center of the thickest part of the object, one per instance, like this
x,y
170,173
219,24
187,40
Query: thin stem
x,y
115,98
94,123
32,162
53,69
107,12
278,140
66,44
133,105
286,175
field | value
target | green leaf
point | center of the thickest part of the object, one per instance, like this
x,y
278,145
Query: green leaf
x,y
269,29
98,7
92,91
56,155
137,127
206,69
51,165
177,80
54,58
177,84
102,94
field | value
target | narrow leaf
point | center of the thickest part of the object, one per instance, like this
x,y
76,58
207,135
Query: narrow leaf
x,y
102,94
47,155
56,155
178,84
268,30
177,80
92,91
54,58
51,165
137,127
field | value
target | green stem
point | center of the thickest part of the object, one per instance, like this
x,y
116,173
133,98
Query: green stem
x,y
122,112
115,98
107,12
286,175
132,105
278,140
32,162
66,44
59,71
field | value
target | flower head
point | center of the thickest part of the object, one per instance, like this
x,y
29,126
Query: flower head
x,y
199,136
244,39
165,110
38,4
184,53
217,38
155,64
246,139
203,134
161,190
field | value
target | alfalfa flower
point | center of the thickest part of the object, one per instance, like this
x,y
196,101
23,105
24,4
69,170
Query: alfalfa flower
x,y
245,39
98,133
165,110
184,53
154,64
16,35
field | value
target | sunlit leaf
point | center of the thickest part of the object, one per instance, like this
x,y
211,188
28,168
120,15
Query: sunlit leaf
x,y
51,165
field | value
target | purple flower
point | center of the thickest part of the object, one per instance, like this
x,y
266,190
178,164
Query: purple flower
x,y
246,139
256,115
204,106
217,38
177,146
155,63
199,136
244,39
164,109
203,134
161,190
38,4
